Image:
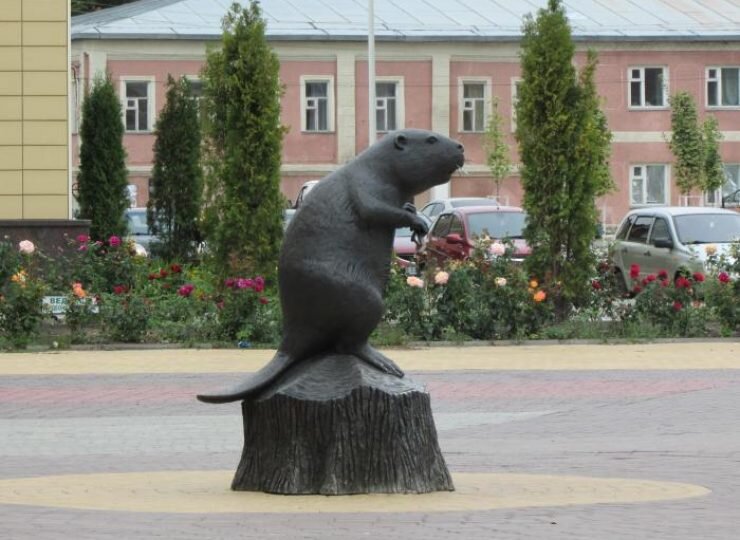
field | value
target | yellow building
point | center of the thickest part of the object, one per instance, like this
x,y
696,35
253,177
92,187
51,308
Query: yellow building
x,y
34,110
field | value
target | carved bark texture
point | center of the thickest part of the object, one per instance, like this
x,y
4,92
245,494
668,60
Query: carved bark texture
x,y
338,426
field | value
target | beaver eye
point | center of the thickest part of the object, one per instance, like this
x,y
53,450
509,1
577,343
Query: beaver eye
x,y
431,139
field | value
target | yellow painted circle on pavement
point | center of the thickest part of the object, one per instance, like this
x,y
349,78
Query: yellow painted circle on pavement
x,y
208,492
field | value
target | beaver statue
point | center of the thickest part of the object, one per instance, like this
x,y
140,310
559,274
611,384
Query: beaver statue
x,y
336,253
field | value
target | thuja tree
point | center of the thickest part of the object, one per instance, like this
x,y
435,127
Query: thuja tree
x,y
243,140
564,146
497,150
177,181
103,179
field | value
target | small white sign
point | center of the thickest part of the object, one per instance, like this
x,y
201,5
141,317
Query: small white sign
x,y
55,305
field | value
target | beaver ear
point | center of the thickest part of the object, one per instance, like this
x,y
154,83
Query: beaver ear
x,y
400,141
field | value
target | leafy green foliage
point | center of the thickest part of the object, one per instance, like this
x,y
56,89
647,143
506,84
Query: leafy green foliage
x,y
103,177
714,172
564,145
497,150
695,146
243,140
686,143
177,180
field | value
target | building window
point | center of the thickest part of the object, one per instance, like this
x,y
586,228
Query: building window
x,y
138,104
648,184
723,87
473,106
474,97
385,106
648,87
317,104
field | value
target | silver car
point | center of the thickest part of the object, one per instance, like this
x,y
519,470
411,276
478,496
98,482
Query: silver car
x,y
672,238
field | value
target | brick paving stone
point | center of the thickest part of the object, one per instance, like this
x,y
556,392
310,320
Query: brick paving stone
x,y
664,424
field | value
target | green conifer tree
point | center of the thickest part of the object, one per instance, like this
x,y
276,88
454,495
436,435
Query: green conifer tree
x,y
173,211
103,179
243,142
564,147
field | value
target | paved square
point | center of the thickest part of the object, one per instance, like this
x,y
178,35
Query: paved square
x,y
546,442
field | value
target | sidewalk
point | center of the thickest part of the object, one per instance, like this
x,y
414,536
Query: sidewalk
x,y
543,441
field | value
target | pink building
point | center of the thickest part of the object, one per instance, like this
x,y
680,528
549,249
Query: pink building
x,y
439,65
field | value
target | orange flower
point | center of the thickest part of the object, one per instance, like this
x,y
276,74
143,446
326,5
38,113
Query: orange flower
x,y
19,278
533,284
78,291
539,296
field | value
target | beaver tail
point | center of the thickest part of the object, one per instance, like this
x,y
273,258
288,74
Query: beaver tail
x,y
255,383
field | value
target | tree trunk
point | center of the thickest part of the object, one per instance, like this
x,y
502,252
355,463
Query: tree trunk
x,y
336,425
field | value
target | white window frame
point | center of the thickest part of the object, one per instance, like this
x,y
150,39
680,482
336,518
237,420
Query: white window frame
x,y
330,104
717,79
641,79
514,99
666,184
399,99
461,82
150,96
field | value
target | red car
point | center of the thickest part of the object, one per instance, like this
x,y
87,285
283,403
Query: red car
x,y
454,233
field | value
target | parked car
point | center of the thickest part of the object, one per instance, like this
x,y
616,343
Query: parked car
x,y
436,207
454,234
138,229
671,238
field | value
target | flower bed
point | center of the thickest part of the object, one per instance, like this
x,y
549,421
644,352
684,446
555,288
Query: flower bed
x,y
105,293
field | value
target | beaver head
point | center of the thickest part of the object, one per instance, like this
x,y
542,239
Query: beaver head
x,y
416,159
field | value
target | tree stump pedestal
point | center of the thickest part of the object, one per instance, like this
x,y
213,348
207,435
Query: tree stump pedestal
x,y
335,425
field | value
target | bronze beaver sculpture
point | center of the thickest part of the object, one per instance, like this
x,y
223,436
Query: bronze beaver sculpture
x,y
336,252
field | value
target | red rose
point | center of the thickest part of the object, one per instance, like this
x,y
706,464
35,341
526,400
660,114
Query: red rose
x,y
723,277
264,300
637,289
152,277
662,274
163,273
596,284
634,271
698,277
683,283
176,268
119,289
677,306
650,278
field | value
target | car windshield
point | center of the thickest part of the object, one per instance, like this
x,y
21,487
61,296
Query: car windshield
x,y
707,228
404,232
497,224
137,223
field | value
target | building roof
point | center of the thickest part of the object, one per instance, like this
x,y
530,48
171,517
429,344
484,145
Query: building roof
x,y
419,20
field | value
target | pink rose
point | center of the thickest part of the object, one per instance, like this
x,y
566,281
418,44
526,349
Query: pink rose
x,y
413,281
26,247
497,249
83,238
441,278
114,241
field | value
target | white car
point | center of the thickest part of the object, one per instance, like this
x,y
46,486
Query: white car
x,y
672,238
